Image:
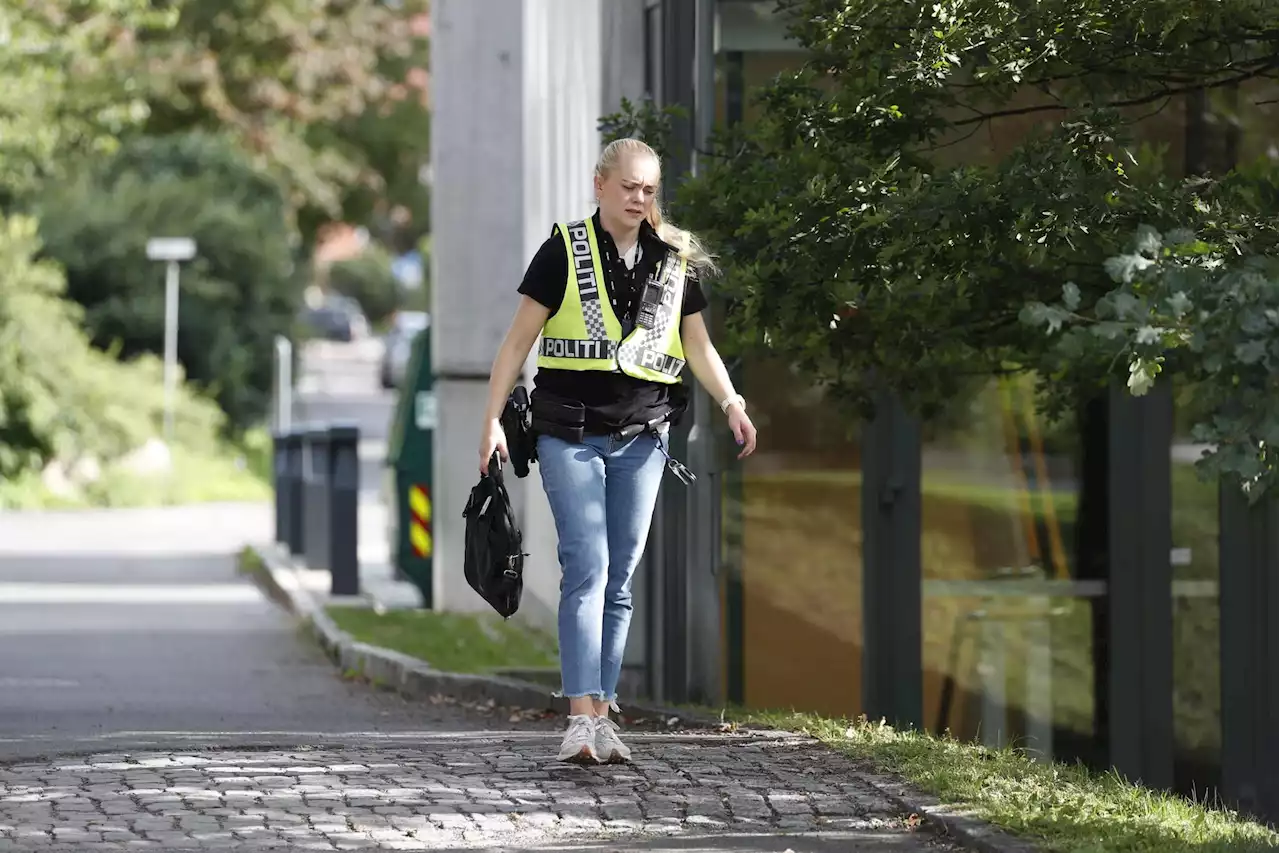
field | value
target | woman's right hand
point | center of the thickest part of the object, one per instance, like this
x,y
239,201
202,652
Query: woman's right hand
x,y
492,438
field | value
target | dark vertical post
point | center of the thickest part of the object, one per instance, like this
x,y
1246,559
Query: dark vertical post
x,y
1250,666
1093,558
280,484
892,671
294,492
732,490
705,637
678,23
1140,588
316,470
654,602
679,34
343,505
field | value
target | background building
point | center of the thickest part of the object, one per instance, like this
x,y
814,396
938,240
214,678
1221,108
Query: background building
x,y
1067,585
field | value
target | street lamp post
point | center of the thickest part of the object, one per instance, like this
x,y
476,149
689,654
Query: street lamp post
x,y
171,250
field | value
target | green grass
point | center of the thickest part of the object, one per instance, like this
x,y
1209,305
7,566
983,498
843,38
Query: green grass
x,y
217,474
1064,808
453,642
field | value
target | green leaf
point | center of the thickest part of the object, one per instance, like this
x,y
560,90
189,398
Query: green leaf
x,y
1040,314
1251,352
1142,375
1123,268
1120,304
1148,335
1179,304
1071,295
1147,241
1254,322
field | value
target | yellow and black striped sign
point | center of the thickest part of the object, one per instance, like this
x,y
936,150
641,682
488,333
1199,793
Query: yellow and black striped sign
x,y
420,520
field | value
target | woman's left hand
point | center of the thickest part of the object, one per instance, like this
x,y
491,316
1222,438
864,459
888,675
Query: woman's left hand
x,y
744,432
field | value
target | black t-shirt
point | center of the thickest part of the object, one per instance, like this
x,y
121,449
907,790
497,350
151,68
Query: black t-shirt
x,y
612,399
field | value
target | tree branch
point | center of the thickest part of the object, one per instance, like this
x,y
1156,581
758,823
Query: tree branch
x,y
1269,63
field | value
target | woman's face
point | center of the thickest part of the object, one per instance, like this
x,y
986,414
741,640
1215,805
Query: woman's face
x,y
626,194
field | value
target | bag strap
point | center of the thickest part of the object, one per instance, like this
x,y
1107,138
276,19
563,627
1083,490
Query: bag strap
x,y
500,493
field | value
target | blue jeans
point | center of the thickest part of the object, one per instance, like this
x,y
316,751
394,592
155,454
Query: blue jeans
x,y
602,493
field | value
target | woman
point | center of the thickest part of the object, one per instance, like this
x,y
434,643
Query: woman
x,y
617,301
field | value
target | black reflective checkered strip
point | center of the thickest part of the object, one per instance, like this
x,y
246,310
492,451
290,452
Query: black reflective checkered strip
x,y
633,351
584,271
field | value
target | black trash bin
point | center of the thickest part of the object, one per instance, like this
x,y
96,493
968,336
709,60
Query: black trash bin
x,y
281,488
295,506
343,505
315,478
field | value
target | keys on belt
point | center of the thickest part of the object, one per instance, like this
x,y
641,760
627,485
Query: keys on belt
x,y
682,473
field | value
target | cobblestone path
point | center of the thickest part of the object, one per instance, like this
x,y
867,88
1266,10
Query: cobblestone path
x,y
465,791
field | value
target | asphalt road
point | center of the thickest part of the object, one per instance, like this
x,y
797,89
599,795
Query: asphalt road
x,y
127,626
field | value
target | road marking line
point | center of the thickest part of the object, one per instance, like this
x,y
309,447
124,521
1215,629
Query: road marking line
x,y
78,593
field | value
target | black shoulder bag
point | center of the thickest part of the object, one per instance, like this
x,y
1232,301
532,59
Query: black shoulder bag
x,y
493,559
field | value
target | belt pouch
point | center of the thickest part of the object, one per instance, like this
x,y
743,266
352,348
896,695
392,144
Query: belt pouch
x,y
563,419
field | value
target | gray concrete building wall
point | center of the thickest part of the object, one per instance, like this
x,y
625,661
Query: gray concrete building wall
x,y
622,69
622,64
560,110
516,88
477,56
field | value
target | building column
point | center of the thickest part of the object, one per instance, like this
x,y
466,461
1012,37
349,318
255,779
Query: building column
x,y
623,76
516,95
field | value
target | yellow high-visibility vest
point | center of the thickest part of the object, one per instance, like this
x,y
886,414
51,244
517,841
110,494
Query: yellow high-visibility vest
x,y
585,335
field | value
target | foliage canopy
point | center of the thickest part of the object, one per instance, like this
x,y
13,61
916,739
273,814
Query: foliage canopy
x,y
241,290
869,240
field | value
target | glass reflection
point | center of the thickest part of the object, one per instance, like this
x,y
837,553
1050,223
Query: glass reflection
x,y
1196,644
793,540
1008,628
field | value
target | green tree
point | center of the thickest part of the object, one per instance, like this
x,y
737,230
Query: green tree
x,y
242,289
367,278
65,89
59,397
321,96
860,246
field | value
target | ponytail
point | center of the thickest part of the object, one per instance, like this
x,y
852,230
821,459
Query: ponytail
x,y
684,242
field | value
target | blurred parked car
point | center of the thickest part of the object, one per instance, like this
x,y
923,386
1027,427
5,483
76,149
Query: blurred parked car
x,y
337,318
398,345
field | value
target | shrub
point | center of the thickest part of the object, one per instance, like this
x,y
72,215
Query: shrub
x,y
59,397
240,291
367,279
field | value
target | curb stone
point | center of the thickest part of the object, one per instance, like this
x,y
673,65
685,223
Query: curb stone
x,y
414,679
959,823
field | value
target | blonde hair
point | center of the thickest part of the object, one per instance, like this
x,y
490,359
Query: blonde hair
x,y
685,242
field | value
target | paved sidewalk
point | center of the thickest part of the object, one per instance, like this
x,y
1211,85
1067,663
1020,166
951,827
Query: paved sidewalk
x,y
151,698
457,791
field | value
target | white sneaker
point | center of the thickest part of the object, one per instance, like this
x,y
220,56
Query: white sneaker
x,y
608,746
579,746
